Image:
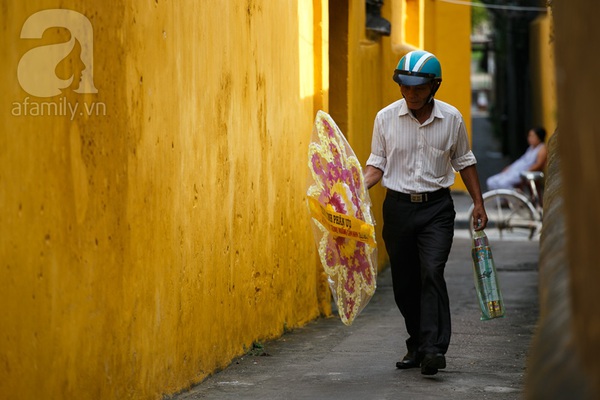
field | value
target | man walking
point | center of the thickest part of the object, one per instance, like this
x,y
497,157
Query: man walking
x,y
417,144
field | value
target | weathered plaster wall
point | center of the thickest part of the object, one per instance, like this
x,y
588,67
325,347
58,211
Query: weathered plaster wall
x,y
146,246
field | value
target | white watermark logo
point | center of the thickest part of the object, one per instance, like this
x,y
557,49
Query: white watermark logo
x,y
36,70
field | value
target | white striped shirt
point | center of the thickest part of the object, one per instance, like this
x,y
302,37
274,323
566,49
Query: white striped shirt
x,y
419,158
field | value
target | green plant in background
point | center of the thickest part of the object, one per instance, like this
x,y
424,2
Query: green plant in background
x,y
479,15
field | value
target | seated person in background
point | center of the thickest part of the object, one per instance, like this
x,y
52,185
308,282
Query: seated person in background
x,y
534,159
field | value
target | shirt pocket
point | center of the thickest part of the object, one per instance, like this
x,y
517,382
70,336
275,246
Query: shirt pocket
x,y
437,161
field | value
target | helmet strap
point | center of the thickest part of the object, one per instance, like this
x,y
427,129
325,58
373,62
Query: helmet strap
x,y
435,88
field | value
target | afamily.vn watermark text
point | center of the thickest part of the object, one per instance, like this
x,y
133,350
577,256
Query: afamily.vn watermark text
x,y
62,107
37,67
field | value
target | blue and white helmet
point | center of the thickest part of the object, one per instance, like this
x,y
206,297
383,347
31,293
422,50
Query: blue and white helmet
x,y
417,68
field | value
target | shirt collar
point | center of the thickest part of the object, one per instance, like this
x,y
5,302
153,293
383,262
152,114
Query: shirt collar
x,y
403,108
437,112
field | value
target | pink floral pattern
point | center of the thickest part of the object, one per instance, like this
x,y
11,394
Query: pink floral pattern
x,y
341,214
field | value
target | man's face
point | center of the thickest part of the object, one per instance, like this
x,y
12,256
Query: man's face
x,y
416,96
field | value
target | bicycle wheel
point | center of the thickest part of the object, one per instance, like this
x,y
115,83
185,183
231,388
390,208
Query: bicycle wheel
x,y
510,216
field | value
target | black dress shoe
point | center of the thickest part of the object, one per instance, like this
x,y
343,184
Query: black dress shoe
x,y
410,360
432,362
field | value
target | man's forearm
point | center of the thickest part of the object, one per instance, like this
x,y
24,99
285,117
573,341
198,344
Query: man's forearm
x,y
471,180
372,176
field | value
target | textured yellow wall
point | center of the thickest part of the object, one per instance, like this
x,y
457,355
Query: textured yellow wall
x,y
144,247
447,35
543,75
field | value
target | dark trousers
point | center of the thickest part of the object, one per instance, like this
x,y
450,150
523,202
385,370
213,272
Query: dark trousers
x,y
418,238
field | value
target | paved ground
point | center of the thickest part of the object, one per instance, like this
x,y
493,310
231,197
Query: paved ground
x,y
328,360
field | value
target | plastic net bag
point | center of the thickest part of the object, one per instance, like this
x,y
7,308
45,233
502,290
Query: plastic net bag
x,y
343,225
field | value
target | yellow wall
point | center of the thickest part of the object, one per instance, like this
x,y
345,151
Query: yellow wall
x,y
145,248
447,35
543,76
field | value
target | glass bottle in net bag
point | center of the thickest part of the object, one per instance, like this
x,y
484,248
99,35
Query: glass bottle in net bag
x,y
486,279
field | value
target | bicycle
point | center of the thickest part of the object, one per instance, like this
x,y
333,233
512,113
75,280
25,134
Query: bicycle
x,y
514,214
